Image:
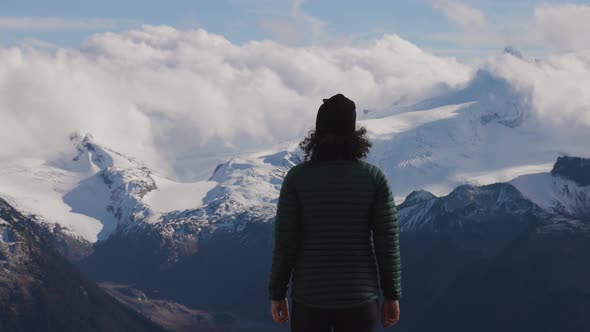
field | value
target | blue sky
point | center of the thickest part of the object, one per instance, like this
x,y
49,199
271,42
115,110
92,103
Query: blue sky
x,y
435,25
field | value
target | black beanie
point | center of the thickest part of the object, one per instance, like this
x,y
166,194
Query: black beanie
x,y
336,115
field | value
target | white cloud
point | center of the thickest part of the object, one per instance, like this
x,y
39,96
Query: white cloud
x,y
559,86
164,95
172,97
29,23
460,13
563,27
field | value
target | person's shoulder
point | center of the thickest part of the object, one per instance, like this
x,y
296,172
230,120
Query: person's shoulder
x,y
294,169
373,169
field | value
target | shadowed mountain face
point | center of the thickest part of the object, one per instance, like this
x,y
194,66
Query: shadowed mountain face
x,y
41,291
487,259
228,274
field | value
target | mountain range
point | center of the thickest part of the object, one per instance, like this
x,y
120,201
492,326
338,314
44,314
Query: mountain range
x,y
494,214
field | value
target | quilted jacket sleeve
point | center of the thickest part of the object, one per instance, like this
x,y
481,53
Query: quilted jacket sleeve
x,y
286,239
386,238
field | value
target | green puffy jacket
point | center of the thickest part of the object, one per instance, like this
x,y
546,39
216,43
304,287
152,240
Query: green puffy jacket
x,y
336,231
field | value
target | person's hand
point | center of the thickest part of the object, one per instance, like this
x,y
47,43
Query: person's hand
x,y
389,312
280,310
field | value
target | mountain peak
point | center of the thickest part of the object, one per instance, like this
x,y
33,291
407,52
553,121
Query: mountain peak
x,y
513,51
491,96
92,155
417,196
77,137
576,169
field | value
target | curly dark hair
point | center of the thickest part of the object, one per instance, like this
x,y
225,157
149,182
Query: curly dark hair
x,y
324,147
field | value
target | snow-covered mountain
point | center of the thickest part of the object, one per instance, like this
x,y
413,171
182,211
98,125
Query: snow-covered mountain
x,y
564,191
81,192
98,191
479,134
561,197
483,133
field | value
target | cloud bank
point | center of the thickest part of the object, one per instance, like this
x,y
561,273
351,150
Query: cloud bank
x,y
176,99
168,96
559,85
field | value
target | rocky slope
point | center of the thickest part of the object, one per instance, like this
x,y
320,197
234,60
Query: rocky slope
x,y
170,315
41,291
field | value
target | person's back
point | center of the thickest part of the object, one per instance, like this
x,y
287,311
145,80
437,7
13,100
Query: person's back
x,y
341,202
333,210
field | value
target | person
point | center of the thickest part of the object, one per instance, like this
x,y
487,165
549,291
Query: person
x,y
336,232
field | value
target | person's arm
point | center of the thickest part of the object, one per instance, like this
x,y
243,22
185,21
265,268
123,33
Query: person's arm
x,y
386,239
286,240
